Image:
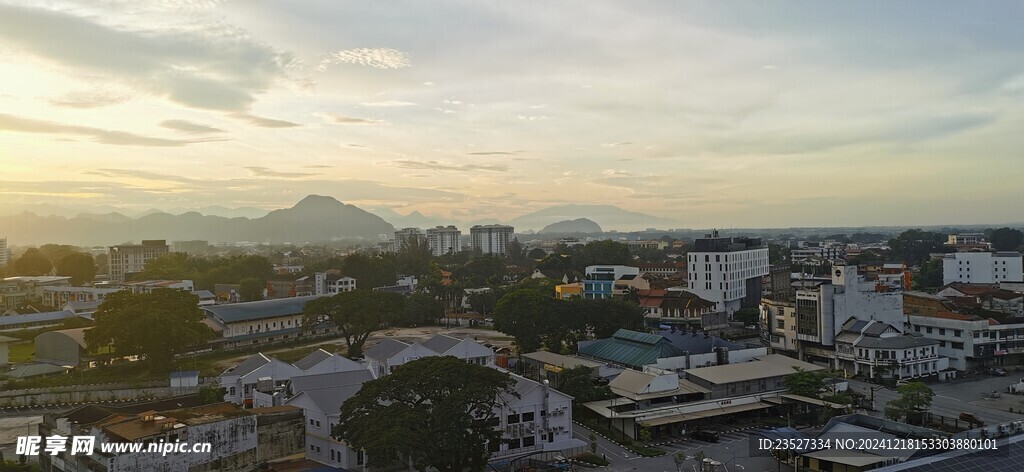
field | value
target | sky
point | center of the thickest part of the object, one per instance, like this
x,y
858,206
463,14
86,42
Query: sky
x,y
727,114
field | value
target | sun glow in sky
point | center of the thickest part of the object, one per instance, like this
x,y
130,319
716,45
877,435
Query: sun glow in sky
x,y
738,114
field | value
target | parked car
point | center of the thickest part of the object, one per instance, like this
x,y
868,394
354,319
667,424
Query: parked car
x,y
997,371
705,435
971,419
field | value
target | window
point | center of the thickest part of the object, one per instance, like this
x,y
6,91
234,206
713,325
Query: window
x,y
332,455
312,447
959,346
360,457
231,391
529,441
514,443
317,423
528,416
311,421
957,333
928,330
942,331
512,419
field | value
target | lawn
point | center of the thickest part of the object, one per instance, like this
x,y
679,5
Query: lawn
x,y
21,352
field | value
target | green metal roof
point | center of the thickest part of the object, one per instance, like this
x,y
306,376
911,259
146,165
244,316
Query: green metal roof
x,y
631,348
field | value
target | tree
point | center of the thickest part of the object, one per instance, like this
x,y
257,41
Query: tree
x,y
414,256
370,271
79,266
602,252
525,315
578,382
914,246
644,435
805,383
679,458
447,400
483,302
356,314
517,253
929,275
482,271
747,316
251,289
536,254
157,325
593,443
420,309
33,262
1006,239
56,252
915,398
211,394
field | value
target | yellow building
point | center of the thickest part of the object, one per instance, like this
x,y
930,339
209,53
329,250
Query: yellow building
x,y
567,291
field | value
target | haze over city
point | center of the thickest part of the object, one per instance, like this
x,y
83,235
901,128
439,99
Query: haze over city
x,y
706,113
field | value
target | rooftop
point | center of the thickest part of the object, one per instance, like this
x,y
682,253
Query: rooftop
x,y
772,365
630,348
565,362
897,342
236,312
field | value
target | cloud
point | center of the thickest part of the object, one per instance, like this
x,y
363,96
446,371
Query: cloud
x,y
388,103
447,166
490,153
142,174
611,145
357,146
264,122
428,84
380,58
318,166
337,119
189,127
89,99
534,117
266,172
209,67
117,138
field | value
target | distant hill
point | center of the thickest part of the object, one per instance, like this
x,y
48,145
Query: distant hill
x,y
412,220
579,225
611,217
314,219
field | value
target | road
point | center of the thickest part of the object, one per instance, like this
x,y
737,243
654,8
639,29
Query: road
x,y
952,398
732,450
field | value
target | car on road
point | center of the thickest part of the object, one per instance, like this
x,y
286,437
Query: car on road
x,y
705,435
997,371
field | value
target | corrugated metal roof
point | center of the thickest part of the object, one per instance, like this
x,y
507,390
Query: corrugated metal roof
x,y
312,359
567,362
35,317
385,349
235,312
440,343
772,365
625,351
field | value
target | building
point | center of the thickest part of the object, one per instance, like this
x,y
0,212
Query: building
x,y
321,396
881,351
126,259
191,247
536,420
661,269
34,320
406,236
972,239
982,267
679,307
988,297
727,271
817,252
670,349
655,244
259,322
568,291
21,290
599,281
444,240
147,286
389,354
58,296
339,284
545,365
405,285
4,254
259,379
65,347
491,239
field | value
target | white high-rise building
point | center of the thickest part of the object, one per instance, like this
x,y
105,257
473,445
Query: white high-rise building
x,y
444,240
728,271
491,239
406,235
3,251
982,267
127,259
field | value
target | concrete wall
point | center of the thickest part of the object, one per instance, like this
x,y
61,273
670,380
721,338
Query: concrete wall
x,y
88,393
280,434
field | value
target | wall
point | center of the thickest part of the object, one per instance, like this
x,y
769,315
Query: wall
x,y
233,448
280,434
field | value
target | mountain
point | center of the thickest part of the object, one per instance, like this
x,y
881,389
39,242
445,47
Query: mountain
x,y
217,210
610,217
412,220
579,225
314,219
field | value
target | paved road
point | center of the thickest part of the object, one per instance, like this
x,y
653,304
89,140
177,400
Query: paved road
x,y
951,398
732,450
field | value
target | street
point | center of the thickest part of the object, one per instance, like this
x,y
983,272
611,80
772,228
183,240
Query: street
x,y
953,398
732,450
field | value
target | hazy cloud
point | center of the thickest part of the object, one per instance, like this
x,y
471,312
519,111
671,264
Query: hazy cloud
x,y
490,153
447,166
381,58
89,99
189,127
264,122
201,68
612,145
118,138
534,117
388,103
337,119
266,172
141,174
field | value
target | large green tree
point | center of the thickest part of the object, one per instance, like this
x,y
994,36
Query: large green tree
x,y
601,252
157,325
356,314
578,382
914,246
434,412
1006,239
915,399
525,315
414,257
370,271
80,266
251,289
33,262
805,383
